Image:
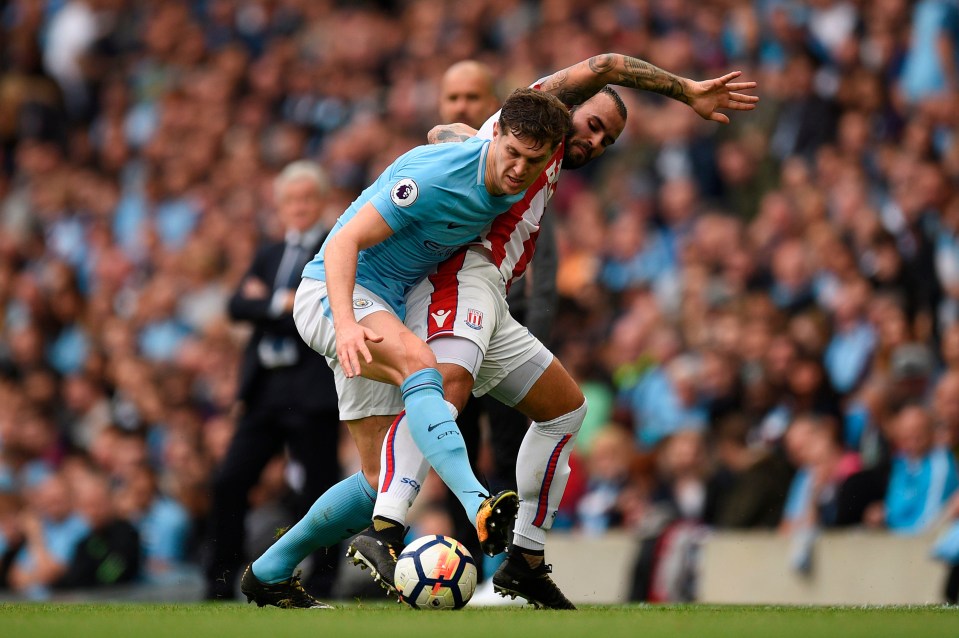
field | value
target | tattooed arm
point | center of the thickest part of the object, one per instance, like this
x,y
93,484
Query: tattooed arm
x,y
450,133
576,84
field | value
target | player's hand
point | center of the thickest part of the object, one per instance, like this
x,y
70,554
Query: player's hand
x,y
288,300
708,96
254,288
351,347
31,526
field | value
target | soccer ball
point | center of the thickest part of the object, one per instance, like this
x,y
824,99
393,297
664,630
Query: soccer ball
x,y
435,572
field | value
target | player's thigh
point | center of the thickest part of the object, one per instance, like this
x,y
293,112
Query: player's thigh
x,y
552,395
314,319
458,361
399,354
357,397
395,358
514,361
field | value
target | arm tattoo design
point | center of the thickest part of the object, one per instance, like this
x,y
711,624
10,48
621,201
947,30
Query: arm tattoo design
x,y
572,97
602,63
643,75
569,94
557,81
447,133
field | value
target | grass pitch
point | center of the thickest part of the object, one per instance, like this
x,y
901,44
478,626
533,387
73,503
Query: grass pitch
x,y
394,621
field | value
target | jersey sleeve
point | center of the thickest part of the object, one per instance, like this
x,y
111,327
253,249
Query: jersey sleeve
x,y
413,194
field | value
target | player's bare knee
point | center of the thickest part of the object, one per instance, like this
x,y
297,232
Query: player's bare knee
x,y
417,355
423,358
457,384
571,400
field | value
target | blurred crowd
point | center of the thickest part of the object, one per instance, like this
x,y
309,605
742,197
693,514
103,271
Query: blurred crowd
x,y
763,316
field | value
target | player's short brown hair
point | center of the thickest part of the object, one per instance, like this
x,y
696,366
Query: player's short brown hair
x,y
536,117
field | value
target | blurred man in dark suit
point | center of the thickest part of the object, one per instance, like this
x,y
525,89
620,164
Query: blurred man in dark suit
x,y
286,389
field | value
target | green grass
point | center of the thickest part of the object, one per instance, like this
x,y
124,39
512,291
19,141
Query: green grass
x,y
393,621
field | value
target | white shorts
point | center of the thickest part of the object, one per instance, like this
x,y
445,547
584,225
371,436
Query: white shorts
x,y
466,297
357,397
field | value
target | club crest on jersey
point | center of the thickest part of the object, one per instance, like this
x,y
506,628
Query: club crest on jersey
x,y
404,192
359,303
474,319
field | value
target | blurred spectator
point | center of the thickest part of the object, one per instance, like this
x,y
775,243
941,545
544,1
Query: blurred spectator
x,y
162,523
929,69
823,466
805,388
945,407
851,347
806,120
467,94
52,532
29,449
922,480
109,554
88,409
11,534
665,400
683,501
753,481
607,473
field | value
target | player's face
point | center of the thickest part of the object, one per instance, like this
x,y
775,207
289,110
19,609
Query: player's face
x,y
466,97
596,125
513,164
299,204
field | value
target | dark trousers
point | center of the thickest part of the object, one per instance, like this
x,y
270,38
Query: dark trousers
x,y
952,585
311,439
507,429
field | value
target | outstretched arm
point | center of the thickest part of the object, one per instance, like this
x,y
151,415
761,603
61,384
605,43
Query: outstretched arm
x,y
576,84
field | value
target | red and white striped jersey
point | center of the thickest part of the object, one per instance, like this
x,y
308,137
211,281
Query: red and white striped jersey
x,y
511,237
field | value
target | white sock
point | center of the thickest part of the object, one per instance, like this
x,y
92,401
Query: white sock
x,y
403,468
542,471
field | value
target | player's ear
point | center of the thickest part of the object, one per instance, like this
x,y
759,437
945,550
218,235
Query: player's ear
x,y
495,130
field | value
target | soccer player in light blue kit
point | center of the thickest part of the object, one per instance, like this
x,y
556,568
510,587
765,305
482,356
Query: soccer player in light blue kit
x,y
350,308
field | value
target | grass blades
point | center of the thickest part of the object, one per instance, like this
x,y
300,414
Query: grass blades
x,y
31,620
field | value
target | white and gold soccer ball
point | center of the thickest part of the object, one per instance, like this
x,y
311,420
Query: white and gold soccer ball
x,y
435,572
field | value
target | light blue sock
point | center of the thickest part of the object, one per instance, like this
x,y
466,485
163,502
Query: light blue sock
x,y
436,434
342,511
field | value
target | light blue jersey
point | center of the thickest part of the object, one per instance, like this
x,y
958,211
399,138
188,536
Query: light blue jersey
x,y
434,198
